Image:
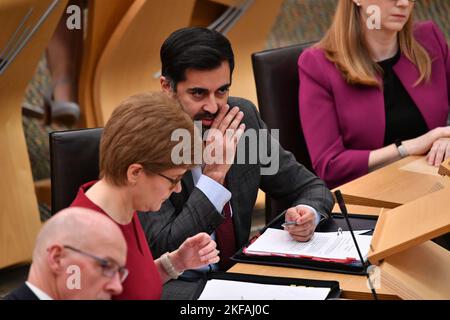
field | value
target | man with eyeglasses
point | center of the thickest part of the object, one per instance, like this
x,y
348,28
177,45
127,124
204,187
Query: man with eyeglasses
x,y
79,255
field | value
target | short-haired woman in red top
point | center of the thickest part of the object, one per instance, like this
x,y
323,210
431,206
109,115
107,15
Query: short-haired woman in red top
x,y
138,174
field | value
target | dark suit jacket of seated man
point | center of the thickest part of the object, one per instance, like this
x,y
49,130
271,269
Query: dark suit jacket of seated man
x,y
189,212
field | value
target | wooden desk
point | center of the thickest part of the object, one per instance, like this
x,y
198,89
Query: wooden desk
x,y
395,184
421,272
365,210
389,187
352,286
444,169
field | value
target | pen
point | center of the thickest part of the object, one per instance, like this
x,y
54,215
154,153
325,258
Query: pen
x,y
289,223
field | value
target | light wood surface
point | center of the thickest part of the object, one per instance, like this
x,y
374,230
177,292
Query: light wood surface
x,y
413,267
19,216
364,210
228,2
410,225
121,55
392,186
103,18
421,272
248,36
444,169
353,286
420,165
131,56
43,191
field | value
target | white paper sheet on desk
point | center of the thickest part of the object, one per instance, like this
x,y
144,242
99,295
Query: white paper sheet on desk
x,y
237,290
323,245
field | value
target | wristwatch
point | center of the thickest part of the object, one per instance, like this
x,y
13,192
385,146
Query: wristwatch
x,y
401,149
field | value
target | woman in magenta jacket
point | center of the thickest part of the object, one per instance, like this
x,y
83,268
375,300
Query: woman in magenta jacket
x,y
373,93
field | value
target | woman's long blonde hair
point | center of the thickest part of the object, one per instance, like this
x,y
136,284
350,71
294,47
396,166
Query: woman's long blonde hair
x,y
344,45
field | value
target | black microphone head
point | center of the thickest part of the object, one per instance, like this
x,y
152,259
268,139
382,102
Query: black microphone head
x,y
340,201
338,196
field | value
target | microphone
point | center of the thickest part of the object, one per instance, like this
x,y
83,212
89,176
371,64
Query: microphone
x,y
343,208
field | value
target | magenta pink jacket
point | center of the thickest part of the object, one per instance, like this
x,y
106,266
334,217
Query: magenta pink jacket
x,y
343,123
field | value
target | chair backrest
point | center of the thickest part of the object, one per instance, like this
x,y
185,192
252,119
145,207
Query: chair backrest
x,y
276,77
74,159
277,83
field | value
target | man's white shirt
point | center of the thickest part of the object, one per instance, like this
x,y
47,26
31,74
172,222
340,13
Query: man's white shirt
x,y
38,292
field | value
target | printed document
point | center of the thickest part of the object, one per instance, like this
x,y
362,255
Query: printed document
x,y
331,246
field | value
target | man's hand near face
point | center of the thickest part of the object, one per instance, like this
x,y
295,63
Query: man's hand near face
x,y
226,131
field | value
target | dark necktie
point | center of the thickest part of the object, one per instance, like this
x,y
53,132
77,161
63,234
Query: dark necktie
x,y
225,239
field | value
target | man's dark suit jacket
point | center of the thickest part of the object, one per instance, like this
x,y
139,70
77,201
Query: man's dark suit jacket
x,y
189,212
21,293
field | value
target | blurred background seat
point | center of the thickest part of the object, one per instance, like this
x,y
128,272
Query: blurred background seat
x,y
74,158
277,84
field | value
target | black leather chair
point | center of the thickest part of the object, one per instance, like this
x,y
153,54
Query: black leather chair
x,y
74,158
277,81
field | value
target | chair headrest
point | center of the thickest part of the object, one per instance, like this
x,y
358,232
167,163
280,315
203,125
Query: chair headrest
x,y
74,160
277,85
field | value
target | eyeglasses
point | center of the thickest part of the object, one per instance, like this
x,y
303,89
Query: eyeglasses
x,y
174,182
109,268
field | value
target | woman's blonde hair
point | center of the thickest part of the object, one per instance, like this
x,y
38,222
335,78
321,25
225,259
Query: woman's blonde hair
x,y
139,131
344,45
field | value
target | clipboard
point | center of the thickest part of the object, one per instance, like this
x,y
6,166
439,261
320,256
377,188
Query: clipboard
x,y
335,223
335,291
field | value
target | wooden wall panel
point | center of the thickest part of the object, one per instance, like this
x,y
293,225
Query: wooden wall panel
x,y
19,216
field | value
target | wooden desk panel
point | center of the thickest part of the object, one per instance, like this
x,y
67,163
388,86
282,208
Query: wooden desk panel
x,y
352,286
392,186
364,210
444,169
421,272
410,225
399,183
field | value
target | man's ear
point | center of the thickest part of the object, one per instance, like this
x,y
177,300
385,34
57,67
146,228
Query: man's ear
x,y
166,86
54,258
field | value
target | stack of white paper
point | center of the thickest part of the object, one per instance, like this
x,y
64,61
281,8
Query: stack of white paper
x,y
237,290
323,245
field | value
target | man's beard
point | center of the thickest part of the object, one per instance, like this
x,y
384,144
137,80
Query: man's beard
x,y
205,116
